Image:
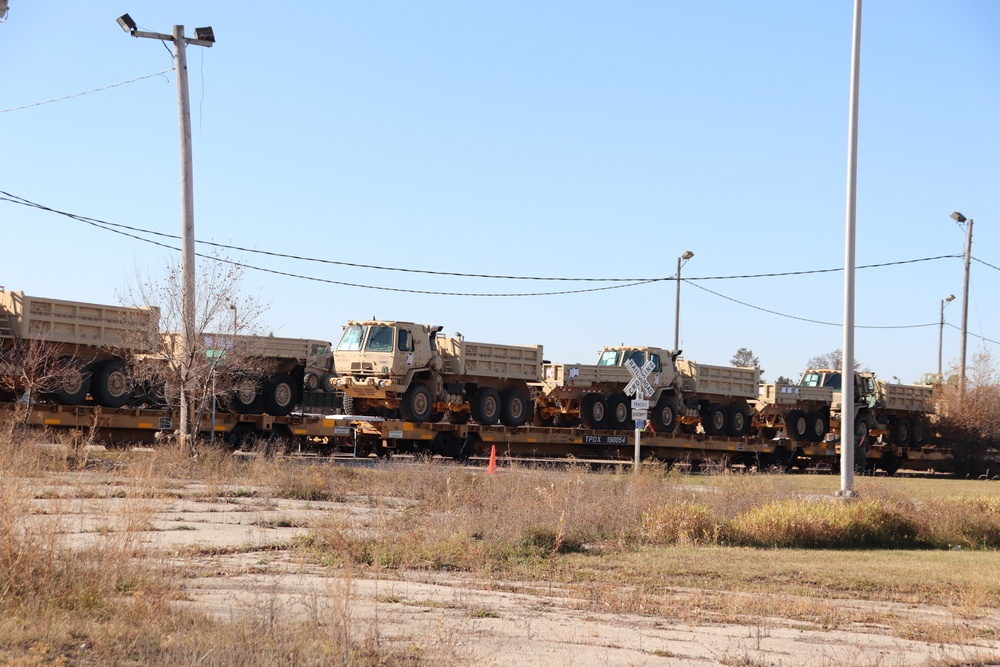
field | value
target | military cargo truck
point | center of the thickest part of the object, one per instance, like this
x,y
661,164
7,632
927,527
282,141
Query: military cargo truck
x,y
684,392
813,408
385,365
270,374
89,343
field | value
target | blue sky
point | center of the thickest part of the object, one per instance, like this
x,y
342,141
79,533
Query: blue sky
x,y
557,139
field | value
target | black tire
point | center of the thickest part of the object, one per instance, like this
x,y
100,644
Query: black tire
x,y
714,420
797,425
245,398
594,411
901,432
861,428
151,393
664,415
74,382
539,420
738,421
619,413
417,404
514,408
281,395
819,425
435,417
456,417
348,405
920,429
312,382
110,384
485,406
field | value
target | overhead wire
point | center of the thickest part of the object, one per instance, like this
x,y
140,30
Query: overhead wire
x,y
87,92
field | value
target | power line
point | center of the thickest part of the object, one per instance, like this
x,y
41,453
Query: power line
x,y
88,92
986,263
988,340
642,280
804,319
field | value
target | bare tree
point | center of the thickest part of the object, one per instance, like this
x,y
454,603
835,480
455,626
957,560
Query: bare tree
x,y
833,360
967,420
219,359
30,369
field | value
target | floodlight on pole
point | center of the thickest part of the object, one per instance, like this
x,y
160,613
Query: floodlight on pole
x,y
204,37
961,219
677,307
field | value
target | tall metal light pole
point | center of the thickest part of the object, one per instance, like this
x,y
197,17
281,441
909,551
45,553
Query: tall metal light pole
x,y
847,390
203,37
959,218
677,308
945,301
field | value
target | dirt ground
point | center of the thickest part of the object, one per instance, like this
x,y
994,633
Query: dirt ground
x,y
231,550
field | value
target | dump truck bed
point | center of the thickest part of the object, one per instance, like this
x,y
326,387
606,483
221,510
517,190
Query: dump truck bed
x,y
517,362
723,381
793,394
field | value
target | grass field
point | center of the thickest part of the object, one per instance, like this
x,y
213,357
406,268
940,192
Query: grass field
x,y
915,558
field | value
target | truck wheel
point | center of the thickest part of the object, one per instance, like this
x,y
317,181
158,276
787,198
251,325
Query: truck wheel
x,y
417,404
819,426
739,421
714,419
861,428
485,406
797,425
280,395
245,398
110,384
73,382
513,407
664,415
901,432
919,437
594,411
348,405
619,413
311,381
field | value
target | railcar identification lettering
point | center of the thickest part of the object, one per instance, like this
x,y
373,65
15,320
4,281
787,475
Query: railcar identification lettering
x,y
396,434
605,439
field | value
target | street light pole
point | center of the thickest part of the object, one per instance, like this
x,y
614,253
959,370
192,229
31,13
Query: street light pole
x,y
203,37
677,307
945,301
959,218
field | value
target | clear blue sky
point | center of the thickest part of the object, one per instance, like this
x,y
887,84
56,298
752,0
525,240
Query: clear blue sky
x,y
555,139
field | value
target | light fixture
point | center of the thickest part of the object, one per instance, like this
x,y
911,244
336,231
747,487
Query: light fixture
x,y
204,34
950,297
687,254
958,217
126,22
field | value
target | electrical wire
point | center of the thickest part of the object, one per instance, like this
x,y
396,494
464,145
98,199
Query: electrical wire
x,y
224,246
95,90
986,263
804,319
988,340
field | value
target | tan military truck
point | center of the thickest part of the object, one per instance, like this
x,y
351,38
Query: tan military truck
x,y
684,392
269,374
813,407
88,341
384,365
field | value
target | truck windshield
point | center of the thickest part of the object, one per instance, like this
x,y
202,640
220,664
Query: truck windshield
x,y
831,380
380,339
351,340
638,357
609,358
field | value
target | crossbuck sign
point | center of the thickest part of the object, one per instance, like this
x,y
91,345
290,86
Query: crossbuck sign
x,y
639,386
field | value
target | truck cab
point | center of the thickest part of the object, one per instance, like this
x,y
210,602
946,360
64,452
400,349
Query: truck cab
x,y
386,351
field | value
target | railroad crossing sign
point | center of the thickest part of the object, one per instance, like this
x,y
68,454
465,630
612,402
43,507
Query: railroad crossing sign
x,y
639,386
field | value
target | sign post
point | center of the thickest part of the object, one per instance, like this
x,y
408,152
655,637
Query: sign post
x,y
640,388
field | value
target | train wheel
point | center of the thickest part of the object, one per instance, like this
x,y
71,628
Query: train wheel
x,y
714,420
485,406
417,404
110,384
594,411
619,415
514,410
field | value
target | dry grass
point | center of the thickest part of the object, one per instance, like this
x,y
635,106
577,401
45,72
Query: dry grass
x,y
729,547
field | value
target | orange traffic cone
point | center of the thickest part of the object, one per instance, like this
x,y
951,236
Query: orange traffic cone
x,y
491,469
